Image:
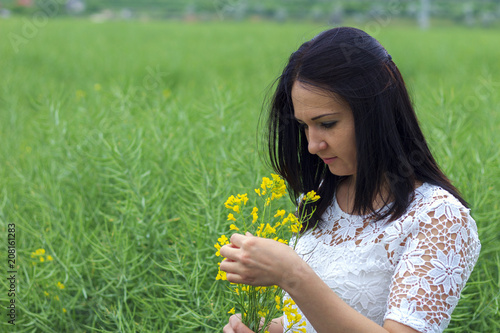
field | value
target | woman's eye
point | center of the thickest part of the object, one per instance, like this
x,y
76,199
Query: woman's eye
x,y
303,126
329,124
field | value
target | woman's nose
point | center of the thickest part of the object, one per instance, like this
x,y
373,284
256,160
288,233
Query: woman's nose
x,y
315,142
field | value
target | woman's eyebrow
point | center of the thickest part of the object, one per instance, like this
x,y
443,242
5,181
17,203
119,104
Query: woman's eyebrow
x,y
318,117
324,115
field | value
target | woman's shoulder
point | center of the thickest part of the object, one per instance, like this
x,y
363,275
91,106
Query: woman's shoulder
x,y
429,197
433,210
435,207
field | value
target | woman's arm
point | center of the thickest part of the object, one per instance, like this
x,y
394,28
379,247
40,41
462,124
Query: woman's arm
x,y
258,261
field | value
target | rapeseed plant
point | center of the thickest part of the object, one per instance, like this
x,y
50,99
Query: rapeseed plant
x,y
259,305
40,254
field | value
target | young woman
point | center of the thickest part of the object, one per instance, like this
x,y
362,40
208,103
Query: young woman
x,y
392,242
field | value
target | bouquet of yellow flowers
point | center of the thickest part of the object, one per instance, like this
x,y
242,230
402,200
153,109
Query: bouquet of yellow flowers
x,y
259,305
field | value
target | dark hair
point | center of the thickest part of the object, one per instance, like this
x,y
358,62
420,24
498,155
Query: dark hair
x,y
391,149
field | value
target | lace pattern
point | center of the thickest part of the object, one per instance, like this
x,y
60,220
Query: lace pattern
x,y
411,270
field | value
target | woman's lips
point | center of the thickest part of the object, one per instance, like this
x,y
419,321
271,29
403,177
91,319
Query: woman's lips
x,y
328,160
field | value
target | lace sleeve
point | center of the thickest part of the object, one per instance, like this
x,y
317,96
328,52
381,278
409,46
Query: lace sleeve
x,y
435,262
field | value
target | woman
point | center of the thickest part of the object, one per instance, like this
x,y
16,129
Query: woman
x,y
392,243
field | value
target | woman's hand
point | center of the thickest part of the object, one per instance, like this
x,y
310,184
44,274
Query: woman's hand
x,y
257,261
236,326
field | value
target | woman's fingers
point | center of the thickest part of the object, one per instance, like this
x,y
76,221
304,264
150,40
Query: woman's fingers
x,y
237,326
227,329
229,251
237,239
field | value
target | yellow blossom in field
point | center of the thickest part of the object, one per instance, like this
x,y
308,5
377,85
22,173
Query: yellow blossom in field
x,y
60,285
40,252
80,94
46,293
49,258
64,310
266,183
166,93
294,223
311,196
263,313
280,213
221,275
217,246
259,230
233,201
269,230
42,259
257,301
232,311
280,240
254,214
223,240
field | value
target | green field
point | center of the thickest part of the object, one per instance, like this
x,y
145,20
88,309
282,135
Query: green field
x,y
120,142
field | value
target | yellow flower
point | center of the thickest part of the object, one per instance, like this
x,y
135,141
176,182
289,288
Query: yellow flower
x,y
230,217
217,246
263,313
46,293
243,198
311,196
60,285
269,230
230,202
223,240
64,310
266,183
280,213
254,214
42,259
80,94
221,275
259,230
232,311
233,227
40,252
49,258
166,93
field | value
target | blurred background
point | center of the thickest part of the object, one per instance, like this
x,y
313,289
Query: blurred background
x,y
484,13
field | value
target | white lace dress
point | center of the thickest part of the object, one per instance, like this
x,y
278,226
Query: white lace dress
x,y
411,270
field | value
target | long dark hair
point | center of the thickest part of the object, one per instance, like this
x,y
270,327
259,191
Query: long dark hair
x,y
391,149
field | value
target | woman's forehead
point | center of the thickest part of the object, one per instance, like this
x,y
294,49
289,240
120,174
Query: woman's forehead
x,y
307,98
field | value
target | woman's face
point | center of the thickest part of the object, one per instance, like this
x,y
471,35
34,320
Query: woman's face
x,y
328,123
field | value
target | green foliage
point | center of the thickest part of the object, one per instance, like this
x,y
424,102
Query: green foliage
x,y
122,140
